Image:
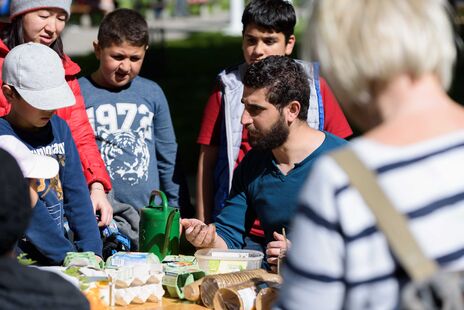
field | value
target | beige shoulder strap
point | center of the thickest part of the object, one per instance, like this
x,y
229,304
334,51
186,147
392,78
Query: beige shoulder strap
x,y
392,223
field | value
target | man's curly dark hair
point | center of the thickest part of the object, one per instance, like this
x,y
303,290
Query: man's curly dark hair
x,y
284,79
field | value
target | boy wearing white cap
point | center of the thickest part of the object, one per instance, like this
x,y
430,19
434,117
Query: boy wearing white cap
x,y
43,21
34,83
33,166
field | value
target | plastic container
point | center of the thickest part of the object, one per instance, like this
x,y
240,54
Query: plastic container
x,y
214,261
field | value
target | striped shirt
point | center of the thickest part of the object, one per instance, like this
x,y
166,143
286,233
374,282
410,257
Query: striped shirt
x,y
339,259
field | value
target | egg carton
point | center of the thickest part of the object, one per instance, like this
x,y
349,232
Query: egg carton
x,y
136,275
138,294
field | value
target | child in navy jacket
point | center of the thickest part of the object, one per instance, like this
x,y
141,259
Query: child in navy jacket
x,y
35,85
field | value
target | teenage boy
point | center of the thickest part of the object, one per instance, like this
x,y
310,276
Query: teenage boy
x,y
267,181
35,86
268,27
129,114
24,287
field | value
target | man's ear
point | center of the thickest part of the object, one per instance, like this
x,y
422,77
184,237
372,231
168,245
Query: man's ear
x,y
290,45
293,110
96,49
8,92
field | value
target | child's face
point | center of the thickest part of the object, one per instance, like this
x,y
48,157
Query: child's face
x,y
23,115
258,43
119,64
44,26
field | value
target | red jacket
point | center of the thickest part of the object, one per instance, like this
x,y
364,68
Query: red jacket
x,y
76,117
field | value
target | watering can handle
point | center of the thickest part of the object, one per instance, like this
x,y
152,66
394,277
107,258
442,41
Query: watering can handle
x,y
164,200
167,232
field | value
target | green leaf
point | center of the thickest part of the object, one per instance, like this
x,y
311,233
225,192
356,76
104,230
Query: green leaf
x,y
23,260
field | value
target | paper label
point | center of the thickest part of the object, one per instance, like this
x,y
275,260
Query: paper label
x,y
229,254
170,278
132,258
222,266
248,297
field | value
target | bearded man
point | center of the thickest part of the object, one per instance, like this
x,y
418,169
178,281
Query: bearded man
x,y
266,183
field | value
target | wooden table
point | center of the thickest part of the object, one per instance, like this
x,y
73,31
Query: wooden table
x,y
166,304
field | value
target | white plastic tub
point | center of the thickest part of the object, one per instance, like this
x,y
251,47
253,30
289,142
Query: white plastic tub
x,y
213,261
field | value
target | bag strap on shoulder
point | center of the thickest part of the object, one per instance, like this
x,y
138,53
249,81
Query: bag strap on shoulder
x,y
391,222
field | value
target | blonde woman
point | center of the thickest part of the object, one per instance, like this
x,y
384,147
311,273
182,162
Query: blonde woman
x,y
389,62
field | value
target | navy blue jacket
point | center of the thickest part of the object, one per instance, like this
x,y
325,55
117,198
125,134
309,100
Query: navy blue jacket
x,y
64,196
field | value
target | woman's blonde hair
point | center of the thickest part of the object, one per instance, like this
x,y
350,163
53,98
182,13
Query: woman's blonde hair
x,y
363,44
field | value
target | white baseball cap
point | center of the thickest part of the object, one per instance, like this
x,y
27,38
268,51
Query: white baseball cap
x,y
32,165
36,72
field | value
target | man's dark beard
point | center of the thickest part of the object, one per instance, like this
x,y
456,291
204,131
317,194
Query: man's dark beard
x,y
275,137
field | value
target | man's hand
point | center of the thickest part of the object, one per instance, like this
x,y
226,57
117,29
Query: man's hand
x,y
100,203
198,233
276,248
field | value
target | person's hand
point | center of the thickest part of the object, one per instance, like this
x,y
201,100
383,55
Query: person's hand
x,y
100,203
198,233
276,248
33,192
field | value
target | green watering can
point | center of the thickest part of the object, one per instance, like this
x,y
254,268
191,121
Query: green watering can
x,y
159,227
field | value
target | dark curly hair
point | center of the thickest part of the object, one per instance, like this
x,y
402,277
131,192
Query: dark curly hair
x,y
274,15
123,25
284,79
